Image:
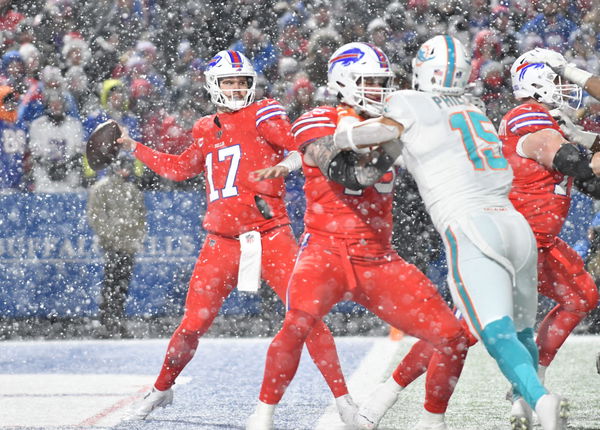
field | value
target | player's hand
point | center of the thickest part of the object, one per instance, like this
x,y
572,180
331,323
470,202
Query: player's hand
x,y
125,140
575,133
269,173
554,59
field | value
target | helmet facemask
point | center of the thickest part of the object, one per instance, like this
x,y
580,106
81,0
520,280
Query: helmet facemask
x,y
371,92
224,97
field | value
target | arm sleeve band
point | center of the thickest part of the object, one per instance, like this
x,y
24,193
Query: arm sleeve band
x,y
571,161
356,171
366,133
590,186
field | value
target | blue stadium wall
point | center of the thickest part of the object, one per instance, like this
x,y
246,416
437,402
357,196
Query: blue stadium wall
x,y
51,264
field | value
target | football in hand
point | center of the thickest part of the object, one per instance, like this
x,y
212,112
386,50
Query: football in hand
x,y
102,147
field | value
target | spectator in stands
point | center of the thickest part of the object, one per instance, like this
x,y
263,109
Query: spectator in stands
x,y
303,100
57,146
75,51
550,24
117,213
13,72
32,59
255,44
33,103
321,45
486,48
12,143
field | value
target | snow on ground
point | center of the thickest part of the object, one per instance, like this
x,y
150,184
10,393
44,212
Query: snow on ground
x,y
92,384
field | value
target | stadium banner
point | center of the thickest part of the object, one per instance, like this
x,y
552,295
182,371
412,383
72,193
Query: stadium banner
x,y
51,264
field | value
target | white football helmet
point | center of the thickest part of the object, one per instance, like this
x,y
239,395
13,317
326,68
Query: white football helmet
x,y
349,66
531,79
226,64
442,66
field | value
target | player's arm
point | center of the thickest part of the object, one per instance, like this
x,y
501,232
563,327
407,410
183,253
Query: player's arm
x,y
559,64
348,168
549,148
174,167
292,161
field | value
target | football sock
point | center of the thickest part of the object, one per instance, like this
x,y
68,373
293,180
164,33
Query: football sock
x,y
526,338
513,358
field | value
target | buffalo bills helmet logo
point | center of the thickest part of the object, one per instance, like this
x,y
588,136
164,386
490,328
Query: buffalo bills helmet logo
x,y
213,62
523,68
346,58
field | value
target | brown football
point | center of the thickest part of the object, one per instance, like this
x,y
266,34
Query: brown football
x,y
102,147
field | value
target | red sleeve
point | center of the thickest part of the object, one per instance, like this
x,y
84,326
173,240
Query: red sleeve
x,y
273,124
317,123
529,118
174,167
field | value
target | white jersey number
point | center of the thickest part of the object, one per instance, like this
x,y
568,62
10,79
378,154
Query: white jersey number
x,y
229,190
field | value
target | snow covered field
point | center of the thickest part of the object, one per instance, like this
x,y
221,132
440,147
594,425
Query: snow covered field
x,y
91,384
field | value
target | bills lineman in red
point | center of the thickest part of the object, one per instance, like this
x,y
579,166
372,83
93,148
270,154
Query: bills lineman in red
x,y
246,222
346,251
545,163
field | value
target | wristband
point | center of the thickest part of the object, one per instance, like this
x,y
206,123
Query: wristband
x,y
575,75
292,162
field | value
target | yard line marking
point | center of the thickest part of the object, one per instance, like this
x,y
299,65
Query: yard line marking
x,y
113,408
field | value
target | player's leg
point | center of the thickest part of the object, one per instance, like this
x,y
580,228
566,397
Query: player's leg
x,y
279,257
415,307
212,280
563,279
311,294
488,300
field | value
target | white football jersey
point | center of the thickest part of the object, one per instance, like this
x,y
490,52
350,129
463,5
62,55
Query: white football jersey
x,y
453,151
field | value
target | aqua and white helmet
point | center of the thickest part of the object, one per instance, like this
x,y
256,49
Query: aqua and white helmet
x,y
442,66
531,79
227,64
349,66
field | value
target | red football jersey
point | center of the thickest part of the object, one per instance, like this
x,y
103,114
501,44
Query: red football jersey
x,y
227,147
331,208
542,195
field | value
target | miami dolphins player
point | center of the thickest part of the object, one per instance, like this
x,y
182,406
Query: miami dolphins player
x,y
454,154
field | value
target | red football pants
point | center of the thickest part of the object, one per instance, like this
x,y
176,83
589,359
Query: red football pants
x,y
214,276
562,277
329,271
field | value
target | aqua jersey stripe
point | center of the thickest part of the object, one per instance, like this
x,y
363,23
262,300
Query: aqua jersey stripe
x,y
451,62
458,280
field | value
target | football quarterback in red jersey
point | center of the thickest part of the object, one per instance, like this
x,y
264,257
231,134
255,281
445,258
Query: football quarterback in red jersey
x,y
246,222
545,165
346,251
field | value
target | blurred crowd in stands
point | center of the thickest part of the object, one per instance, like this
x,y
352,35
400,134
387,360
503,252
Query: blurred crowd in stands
x,y
68,65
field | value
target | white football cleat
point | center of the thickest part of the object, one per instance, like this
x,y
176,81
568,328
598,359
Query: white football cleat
x,y
347,409
430,426
552,412
521,415
380,401
152,400
261,418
